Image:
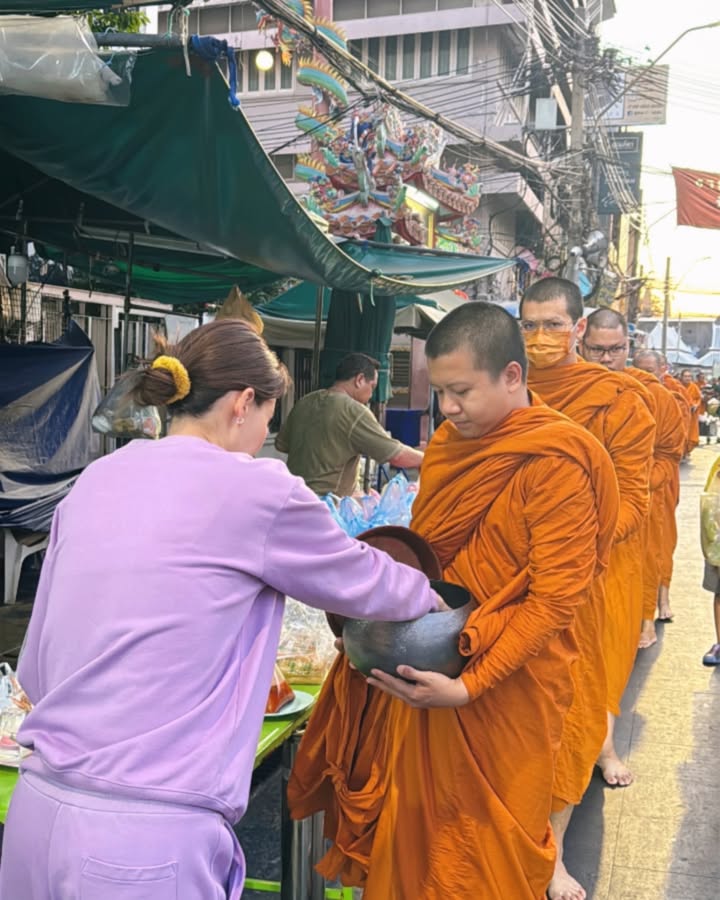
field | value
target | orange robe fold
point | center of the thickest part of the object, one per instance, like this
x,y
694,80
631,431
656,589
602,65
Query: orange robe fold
x,y
667,453
696,407
671,497
607,405
523,518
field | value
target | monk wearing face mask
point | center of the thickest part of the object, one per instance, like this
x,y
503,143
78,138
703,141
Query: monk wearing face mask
x,y
608,629
519,503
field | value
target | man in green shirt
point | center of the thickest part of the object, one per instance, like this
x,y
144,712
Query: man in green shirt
x,y
329,430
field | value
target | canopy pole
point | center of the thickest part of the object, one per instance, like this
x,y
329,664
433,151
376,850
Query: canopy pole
x,y
149,41
317,336
126,306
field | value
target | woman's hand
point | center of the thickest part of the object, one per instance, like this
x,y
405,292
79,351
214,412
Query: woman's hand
x,y
430,689
440,604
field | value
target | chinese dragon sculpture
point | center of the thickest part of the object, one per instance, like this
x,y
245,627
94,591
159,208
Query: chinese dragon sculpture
x,y
360,174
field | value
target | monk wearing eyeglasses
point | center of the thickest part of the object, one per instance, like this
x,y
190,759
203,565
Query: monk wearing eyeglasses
x,y
608,629
520,505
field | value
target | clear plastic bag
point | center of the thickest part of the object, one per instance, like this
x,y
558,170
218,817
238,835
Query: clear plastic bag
x,y
120,416
307,646
358,514
710,526
57,58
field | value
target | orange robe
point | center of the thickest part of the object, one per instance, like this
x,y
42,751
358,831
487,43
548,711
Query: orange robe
x,y
523,518
606,404
668,451
696,404
678,390
672,493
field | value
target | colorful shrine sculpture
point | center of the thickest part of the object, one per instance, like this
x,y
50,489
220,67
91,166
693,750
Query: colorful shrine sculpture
x,y
360,174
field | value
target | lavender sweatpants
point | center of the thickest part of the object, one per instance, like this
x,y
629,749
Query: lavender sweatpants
x,y
64,844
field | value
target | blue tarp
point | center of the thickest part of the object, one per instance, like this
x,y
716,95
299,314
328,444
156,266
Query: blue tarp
x,y
47,395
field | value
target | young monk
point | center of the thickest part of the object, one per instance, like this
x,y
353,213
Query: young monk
x,y
677,389
520,505
654,363
606,342
603,402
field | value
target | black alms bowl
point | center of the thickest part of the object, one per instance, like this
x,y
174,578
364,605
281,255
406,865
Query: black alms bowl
x,y
430,643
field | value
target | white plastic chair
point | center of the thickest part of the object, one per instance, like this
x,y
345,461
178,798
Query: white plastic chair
x,y
17,549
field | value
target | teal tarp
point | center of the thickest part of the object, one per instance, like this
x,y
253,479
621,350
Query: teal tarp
x,y
181,157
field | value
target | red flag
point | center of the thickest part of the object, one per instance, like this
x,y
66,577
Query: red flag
x,y
698,198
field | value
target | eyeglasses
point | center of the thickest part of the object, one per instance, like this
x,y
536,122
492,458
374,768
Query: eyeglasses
x,y
552,327
593,350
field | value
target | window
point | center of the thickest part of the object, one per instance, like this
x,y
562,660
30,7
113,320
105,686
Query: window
x,y
373,54
417,6
348,9
426,55
215,20
355,47
391,48
408,59
253,75
444,41
383,8
462,59
242,18
270,76
286,77
285,164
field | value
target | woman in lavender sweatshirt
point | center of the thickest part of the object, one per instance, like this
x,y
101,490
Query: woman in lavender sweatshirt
x,y
153,637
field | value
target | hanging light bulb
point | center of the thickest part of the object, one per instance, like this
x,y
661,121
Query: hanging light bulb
x,y
264,60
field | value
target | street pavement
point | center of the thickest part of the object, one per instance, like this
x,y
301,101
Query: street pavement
x,y
658,839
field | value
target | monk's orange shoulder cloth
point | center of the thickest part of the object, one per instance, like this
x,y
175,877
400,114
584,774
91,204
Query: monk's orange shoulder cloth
x,y
523,518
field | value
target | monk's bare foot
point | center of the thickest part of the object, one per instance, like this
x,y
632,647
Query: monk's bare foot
x,y
665,614
563,886
614,770
648,635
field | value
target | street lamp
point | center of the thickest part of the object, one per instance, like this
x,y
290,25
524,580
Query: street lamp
x,y
264,60
651,65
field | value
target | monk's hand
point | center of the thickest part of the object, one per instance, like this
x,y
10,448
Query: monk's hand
x,y
424,690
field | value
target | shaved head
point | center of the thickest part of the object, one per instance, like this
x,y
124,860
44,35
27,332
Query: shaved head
x,y
649,361
548,289
490,333
607,318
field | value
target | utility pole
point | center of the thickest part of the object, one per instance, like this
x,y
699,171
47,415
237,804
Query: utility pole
x,y
577,136
666,306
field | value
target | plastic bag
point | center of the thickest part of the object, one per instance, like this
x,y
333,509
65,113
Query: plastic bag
x,y
14,706
710,517
57,58
119,415
307,646
280,693
358,514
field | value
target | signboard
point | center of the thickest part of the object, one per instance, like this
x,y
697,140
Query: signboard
x,y
645,103
628,147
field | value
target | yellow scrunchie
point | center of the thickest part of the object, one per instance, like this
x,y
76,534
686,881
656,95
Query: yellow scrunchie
x,y
179,374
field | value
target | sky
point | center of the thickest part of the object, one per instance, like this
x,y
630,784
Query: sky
x,y
689,139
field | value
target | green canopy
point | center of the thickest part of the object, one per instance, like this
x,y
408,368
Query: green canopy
x,y
44,7
182,158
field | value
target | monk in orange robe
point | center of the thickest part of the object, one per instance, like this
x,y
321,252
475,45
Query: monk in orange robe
x,y
606,342
609,407
677,389
520,505
696,407
653,362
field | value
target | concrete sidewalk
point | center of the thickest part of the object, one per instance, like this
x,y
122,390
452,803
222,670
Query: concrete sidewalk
x,y
659,839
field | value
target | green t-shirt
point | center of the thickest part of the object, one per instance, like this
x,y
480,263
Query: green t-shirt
x,y
324,437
